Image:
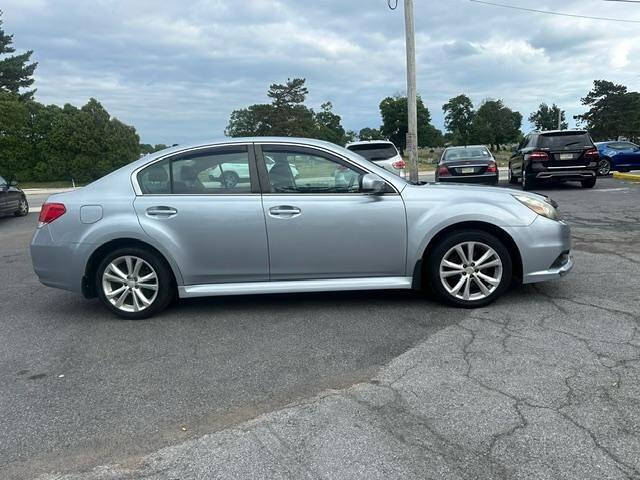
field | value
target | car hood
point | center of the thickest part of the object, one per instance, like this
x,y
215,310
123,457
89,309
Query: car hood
x,y
461,189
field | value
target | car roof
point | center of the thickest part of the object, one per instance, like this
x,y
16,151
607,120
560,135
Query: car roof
x,y
547,132
369,142
467,146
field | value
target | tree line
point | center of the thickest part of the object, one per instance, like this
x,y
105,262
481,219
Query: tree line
x,y
47,142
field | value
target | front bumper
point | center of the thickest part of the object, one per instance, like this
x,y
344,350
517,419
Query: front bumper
x,y
545,249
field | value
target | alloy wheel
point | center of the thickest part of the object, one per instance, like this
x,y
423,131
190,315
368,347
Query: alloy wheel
x,y
23,207
471,271
130,283
604,167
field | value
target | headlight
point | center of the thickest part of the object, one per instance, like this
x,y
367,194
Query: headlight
x,y
539,206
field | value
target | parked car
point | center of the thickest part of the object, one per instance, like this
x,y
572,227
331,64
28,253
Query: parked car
x,y
152,230
230,174
618,156
13,201
381,152
558,155
472,164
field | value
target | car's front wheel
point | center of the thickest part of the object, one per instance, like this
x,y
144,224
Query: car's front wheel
x,y
470,269
134,283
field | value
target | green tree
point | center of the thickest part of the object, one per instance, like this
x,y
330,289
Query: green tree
x,y
546,118
495,125
288,116
613,111
16,73
394,112
458,119
146,148
367,134
14,136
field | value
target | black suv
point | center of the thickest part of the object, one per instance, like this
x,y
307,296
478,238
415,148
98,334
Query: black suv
x,y
555,155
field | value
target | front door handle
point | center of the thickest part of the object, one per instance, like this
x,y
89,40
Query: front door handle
x,y
284,211
161,211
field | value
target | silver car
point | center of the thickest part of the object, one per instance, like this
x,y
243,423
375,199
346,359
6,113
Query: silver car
x,y
168,225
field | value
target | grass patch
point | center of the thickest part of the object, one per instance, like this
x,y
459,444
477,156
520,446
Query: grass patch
x,y
56,184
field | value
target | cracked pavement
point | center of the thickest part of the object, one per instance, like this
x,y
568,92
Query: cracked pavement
x,y
545,383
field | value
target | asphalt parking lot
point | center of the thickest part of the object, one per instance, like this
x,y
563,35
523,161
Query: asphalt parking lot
x,y
545,383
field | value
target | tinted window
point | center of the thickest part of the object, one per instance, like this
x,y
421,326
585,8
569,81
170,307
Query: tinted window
x,y
298,171
375,151
219,171
2,181
563,141
469,153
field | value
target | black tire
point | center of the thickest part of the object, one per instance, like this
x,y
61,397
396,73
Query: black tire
x,y
230,179
528,183
23,208
456,238
513,180
589,183
604,167
166,285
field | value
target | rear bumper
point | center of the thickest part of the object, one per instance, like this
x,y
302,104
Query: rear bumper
x,y
489,179
565,175
58,265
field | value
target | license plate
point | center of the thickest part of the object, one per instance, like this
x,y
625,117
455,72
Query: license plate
x,y
566,156
465,171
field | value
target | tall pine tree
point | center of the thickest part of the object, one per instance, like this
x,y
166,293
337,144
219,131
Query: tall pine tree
x,y
16,73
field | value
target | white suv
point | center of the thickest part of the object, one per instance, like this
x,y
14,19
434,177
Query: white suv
x,y
381,152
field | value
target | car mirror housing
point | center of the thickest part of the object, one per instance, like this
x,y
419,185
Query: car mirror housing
x,y
373,184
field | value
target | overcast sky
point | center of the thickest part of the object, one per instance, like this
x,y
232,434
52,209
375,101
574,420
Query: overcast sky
x,y
176,69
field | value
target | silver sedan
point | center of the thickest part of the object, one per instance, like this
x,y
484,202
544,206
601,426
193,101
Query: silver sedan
x,y
169,225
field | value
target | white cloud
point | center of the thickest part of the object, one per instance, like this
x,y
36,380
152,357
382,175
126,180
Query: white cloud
x,y
176,69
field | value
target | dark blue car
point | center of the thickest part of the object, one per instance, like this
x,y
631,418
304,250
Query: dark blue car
x,y
618,156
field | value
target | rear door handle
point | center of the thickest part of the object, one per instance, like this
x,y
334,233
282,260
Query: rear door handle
x,y
284,211
162,212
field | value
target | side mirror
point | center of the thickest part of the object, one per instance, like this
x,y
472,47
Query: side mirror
x,y
373,184
13,183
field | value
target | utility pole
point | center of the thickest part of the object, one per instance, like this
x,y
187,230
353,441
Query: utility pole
x,y
412,134
559,118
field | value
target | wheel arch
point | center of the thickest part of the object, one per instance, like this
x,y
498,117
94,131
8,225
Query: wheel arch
x,y
88,287
502,235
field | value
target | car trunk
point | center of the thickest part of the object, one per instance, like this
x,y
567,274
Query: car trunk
x,y
460,168
566,149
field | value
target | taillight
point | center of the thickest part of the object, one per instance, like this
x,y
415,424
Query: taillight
x,y
492,168
592,154
539,156
399,165
443,171
51,212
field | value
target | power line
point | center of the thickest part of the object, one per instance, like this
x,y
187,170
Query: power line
x,y
513,7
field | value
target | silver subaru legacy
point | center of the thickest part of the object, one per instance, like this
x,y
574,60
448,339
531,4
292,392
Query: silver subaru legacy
x,y
171,224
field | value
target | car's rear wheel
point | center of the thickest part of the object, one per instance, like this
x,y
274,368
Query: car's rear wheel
x,y
134,283
604,167
513,180
23,208
470,269
230,179
589,183
528,183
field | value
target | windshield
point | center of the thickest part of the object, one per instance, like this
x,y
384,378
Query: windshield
x,y
469,153
375,151
561,141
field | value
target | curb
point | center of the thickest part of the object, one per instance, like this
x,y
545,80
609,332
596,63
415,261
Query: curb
x,y
634,177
